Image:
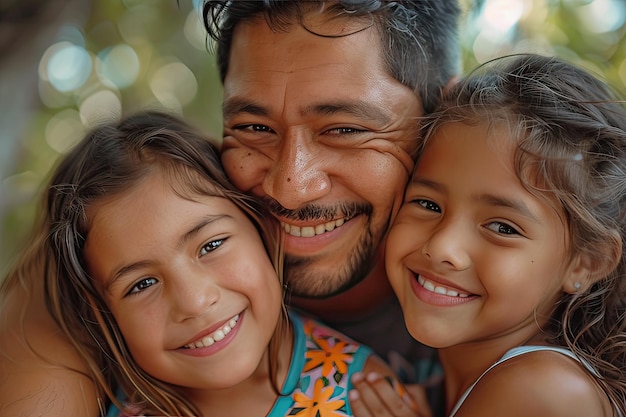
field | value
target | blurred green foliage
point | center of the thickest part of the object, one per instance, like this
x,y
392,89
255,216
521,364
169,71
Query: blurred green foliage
x,y
101,58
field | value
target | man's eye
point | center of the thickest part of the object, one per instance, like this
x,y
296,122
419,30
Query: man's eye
x,y
254,128
142,285
428,205
211,246
344,131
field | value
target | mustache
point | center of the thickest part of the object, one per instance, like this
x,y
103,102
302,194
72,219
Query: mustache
x,y
319,212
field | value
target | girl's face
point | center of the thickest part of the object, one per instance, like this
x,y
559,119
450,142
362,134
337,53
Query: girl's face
x,y
472,255
188,282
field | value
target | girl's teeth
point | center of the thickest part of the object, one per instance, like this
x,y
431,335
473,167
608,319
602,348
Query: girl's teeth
x,y
429,286
216,336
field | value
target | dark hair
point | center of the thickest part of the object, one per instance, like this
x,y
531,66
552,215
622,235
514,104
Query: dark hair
x,y
107,162
570,134
418,38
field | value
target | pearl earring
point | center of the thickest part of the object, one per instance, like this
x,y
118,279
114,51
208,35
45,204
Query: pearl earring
x,y
577,285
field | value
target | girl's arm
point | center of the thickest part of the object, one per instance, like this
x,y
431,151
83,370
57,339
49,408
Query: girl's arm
x,y
39,380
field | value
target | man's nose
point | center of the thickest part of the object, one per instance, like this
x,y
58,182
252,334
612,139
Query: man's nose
x,y
297,175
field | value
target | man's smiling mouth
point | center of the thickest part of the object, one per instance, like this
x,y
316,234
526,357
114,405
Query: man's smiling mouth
x,y
310,231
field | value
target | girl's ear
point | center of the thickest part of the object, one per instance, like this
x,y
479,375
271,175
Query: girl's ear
x,y
593,266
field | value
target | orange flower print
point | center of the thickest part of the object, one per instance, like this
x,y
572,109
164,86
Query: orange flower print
x,y
320,405
328,356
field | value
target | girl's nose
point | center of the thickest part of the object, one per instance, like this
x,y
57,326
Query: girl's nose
x,y
193,296
447,248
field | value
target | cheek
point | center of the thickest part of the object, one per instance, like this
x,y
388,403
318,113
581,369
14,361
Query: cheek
x,y
256,278
139,327
243,166
401,245
407,234
382,183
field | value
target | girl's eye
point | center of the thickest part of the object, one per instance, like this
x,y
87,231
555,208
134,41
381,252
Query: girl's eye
x,y
211,246
502,228
142,285
428,205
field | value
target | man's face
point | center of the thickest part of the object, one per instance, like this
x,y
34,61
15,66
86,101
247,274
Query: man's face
x,y
317,127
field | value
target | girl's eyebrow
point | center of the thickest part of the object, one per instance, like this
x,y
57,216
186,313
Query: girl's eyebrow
x,y
514,204
193,231
491,199
427,183
204,221
123,270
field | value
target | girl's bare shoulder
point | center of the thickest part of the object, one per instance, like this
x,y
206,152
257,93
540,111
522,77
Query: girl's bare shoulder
x,y
545,383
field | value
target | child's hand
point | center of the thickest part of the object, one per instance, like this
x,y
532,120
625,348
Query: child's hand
x,y
374,396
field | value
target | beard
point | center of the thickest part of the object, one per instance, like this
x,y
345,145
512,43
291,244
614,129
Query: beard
x,y
308,277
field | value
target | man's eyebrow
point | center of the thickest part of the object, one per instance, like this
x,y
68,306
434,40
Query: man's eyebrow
x,y
360,109
193,231
233,106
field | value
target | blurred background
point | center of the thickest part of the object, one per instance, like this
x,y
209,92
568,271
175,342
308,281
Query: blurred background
x,y
66,65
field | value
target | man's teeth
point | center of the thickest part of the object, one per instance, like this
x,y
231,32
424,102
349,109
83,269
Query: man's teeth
x,y
310,231
216,336
429,286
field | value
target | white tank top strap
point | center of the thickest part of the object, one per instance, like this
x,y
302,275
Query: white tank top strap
x,y
517,351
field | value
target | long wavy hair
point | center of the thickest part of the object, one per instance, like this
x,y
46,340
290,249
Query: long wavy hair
x,y
107,162
570,133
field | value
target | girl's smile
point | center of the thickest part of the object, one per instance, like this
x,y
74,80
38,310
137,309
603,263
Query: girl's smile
x,y
190,280
431,292
473,256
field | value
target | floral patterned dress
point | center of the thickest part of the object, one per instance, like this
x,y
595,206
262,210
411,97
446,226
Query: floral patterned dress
x,y
322,364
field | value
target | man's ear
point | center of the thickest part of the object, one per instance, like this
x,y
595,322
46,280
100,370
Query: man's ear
x,y
592,266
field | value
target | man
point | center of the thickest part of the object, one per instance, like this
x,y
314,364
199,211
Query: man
x,y
322,102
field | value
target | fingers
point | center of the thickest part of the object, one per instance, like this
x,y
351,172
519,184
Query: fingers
x,y
420,400
359,408
375,396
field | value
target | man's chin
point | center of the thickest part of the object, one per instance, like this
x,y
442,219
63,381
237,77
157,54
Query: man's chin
x,y
312,278
320,286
